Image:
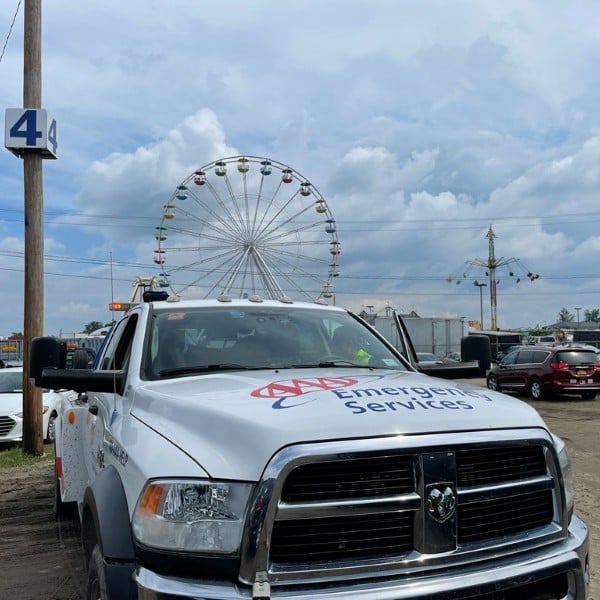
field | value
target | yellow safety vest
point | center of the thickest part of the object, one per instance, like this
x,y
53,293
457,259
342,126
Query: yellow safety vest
x,y
362,357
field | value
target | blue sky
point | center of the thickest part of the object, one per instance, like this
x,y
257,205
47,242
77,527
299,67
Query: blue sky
x,y
422,123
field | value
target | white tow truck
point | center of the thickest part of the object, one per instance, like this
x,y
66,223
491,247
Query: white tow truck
x,y
263,449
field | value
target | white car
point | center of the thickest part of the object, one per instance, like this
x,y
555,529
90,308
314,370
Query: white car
x,y
428,358
11,407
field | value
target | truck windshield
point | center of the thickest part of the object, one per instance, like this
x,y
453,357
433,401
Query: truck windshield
x,y
195,340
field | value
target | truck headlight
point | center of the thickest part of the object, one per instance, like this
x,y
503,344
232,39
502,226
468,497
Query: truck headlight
x,y
192,516
567,474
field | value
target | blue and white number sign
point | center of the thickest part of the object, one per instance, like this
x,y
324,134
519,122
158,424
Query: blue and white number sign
x,y
30,129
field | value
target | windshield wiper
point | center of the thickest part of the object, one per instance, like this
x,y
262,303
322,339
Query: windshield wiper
x,y
329,364
207,369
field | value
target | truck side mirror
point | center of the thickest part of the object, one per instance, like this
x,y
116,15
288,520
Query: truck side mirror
x,y
46,352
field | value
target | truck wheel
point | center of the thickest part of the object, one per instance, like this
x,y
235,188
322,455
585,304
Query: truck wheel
x,y
536,390
51,433
80,359
97,587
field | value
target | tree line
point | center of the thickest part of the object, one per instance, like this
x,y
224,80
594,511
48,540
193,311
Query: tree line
x,y
590,315
93,325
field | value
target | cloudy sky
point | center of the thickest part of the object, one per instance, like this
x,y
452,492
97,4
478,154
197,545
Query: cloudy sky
x,y
422,123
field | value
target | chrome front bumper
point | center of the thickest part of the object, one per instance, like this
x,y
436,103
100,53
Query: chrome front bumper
x,y
568,558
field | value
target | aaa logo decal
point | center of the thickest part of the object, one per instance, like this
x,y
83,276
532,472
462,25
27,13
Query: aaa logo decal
x,y
298,387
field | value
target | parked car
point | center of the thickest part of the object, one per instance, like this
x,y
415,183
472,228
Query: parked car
x,y
502,354
428,358
445,366
544,370
11,407
543,340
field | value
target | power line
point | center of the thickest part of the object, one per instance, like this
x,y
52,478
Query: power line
x,y
356,292
344,277
580,216
10,30
347,226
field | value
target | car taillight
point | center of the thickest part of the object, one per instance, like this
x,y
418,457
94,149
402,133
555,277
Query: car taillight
x,y
561,365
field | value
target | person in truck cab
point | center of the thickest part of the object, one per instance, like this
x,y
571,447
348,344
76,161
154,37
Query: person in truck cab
x,y
347,344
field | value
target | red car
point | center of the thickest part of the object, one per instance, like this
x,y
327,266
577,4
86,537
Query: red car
x,y
546,370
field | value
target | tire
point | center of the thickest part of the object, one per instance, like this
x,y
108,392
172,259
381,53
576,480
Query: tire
x,y
536,391
51,433
588,395
97,585
492,383
80,359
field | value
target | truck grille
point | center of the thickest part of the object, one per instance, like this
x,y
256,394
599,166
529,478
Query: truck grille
x,y
360,477
341,537
486,519
351,511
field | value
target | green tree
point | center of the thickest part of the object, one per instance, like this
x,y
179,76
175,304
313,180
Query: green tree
x,y
564,316
92,326
592,315
539,331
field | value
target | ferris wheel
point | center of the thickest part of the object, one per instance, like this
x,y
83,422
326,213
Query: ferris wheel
x,y
247,226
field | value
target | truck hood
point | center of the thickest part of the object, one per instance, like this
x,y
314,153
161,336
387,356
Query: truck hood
x,y
232,423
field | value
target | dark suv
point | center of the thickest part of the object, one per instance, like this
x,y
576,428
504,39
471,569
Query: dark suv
x,y
542,371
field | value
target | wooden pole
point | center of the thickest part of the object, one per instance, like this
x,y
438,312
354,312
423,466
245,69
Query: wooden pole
x,y
34,231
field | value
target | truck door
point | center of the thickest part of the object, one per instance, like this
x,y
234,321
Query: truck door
x,y
103,407
403,342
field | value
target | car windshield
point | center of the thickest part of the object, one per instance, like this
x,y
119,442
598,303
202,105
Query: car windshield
x,y
11,382
201,339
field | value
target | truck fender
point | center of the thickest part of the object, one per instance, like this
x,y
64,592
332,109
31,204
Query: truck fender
x,y
107,505
70,436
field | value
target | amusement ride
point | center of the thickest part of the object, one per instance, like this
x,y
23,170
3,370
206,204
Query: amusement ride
x,y
247,226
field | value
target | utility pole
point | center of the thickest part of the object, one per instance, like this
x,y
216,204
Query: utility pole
x,y
480,285
30,134
34,230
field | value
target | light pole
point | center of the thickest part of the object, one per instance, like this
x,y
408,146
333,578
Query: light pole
x,y
578,308
480,285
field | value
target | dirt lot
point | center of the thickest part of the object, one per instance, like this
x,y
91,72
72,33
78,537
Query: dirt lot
x,y
41,559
